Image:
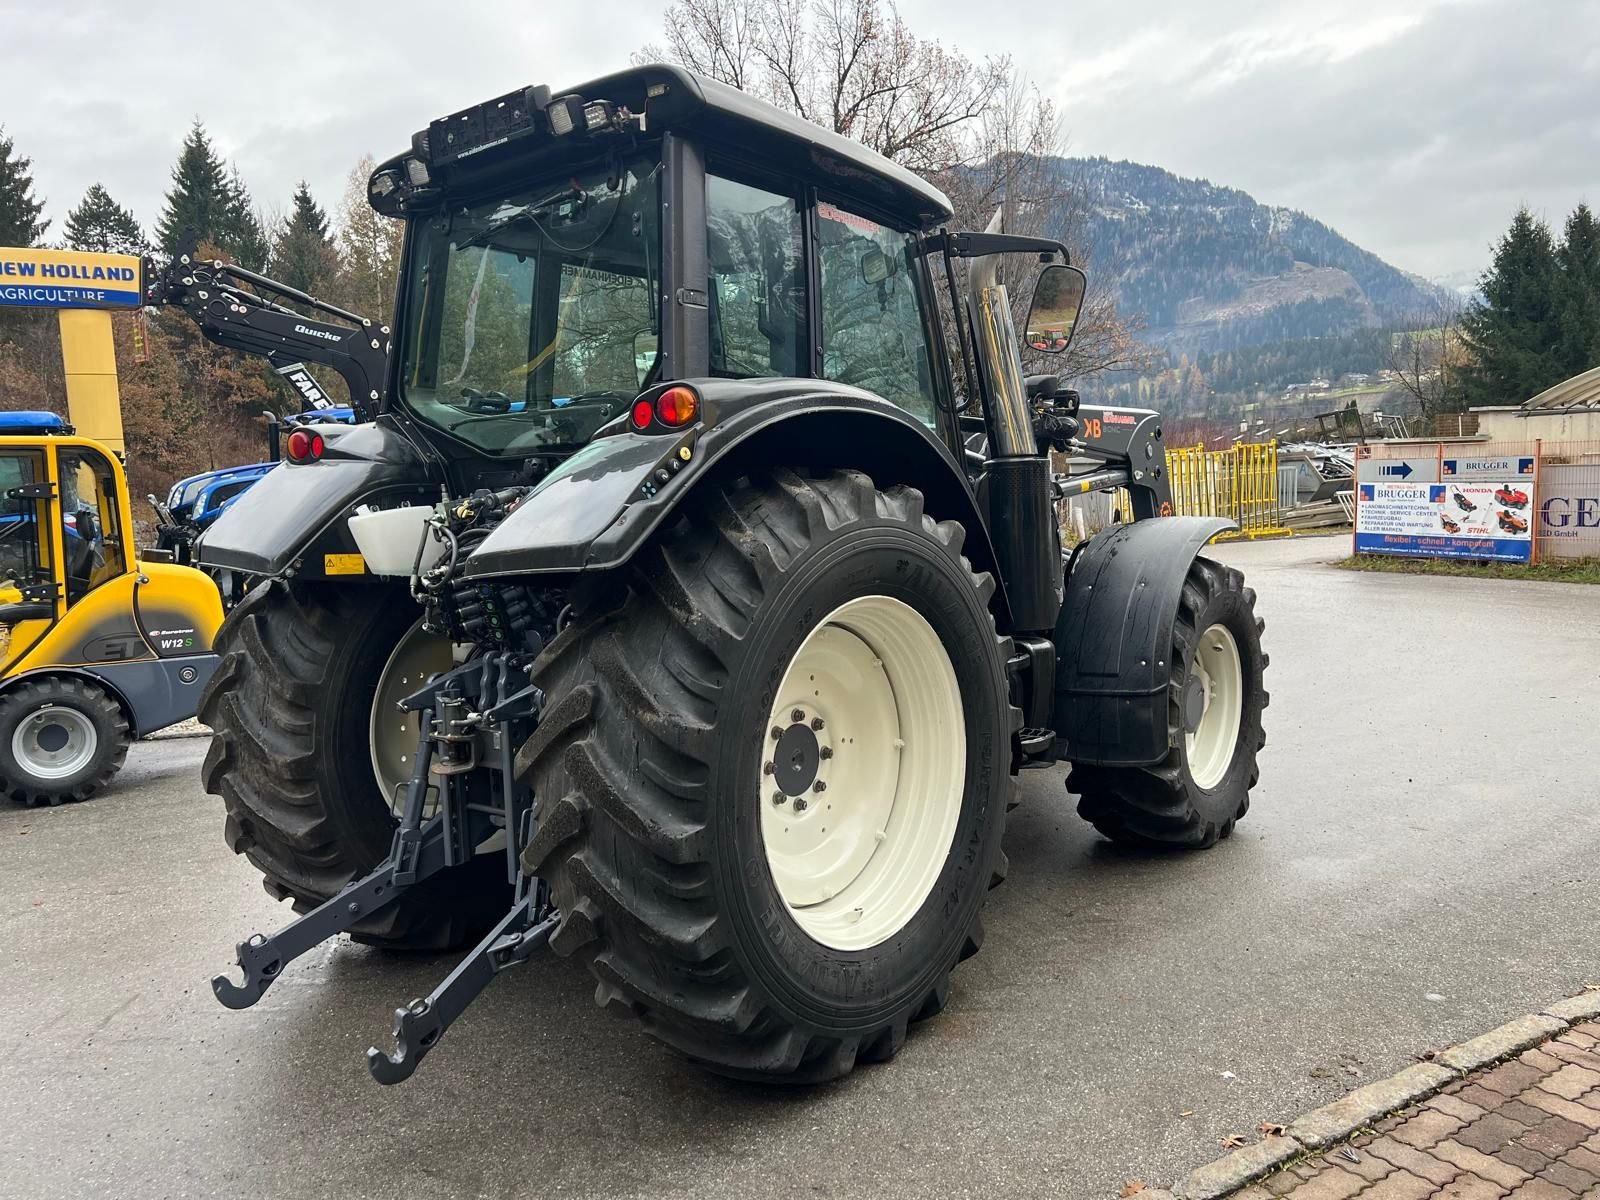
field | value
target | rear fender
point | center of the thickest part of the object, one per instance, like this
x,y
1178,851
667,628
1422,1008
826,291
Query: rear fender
x,y
597,509
1114,637
294,517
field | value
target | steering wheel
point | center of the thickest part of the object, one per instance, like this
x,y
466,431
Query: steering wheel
x,y
477,401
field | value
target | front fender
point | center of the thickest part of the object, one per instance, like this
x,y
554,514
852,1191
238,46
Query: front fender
x,y
599,507
1114,638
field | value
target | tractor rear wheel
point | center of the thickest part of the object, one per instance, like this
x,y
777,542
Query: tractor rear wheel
x,y
1193,796
307,750
60,739
772,775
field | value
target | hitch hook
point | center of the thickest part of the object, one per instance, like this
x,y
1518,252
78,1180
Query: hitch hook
x,y
417,1028
260,964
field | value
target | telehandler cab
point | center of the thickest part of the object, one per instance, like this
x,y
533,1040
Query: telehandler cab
x,y
96,646
739,601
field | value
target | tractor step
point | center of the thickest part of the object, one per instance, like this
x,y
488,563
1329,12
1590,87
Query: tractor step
x,y
1037,746
484,707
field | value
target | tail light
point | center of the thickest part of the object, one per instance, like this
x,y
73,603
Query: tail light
x,y
675,407
304,446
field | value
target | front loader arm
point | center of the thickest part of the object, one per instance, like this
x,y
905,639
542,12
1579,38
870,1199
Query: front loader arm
x,y
244,310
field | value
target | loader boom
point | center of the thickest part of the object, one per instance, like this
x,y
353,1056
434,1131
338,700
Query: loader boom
x,y
250,312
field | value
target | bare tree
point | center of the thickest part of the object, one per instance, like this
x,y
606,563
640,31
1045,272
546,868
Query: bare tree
x,y
1428,359
978,130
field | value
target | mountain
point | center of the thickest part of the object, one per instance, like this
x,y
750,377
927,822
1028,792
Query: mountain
x,y
1212,269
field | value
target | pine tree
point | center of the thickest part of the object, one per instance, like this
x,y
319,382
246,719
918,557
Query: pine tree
x,y
100,223
210,201
245,237
198,200
1513,331
19,210
1578,294
303,253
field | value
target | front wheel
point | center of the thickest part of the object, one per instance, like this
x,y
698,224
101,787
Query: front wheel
x,y
60,739
1215,698
772,774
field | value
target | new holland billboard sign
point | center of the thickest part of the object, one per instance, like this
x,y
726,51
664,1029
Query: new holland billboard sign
x,y
69,279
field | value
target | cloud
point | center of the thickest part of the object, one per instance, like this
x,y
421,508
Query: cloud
x,y
1415,130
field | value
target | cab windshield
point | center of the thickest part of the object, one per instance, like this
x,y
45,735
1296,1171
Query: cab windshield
x,y
531,319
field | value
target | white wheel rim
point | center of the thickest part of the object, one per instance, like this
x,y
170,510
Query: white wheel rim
x,y
54,742
858,827
392,733
1210,746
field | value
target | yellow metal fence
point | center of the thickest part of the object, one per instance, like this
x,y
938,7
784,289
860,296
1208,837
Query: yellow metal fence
x,y
1240,483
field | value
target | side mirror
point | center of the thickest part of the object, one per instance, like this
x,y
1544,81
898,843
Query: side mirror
x,y
876,266
1057,300
646,346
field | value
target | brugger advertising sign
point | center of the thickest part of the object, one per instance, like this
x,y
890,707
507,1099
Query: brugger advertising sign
x,y
1481,519
69,279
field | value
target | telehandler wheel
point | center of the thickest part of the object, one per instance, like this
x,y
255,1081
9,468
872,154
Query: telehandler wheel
x,y
772,775
60,739
1194,796
299,707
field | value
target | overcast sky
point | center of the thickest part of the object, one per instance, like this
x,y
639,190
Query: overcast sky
x,y
1414,127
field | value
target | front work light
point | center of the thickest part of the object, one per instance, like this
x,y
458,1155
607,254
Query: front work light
x,y
565,114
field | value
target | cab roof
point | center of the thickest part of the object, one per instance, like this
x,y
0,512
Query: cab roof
x,y
672,98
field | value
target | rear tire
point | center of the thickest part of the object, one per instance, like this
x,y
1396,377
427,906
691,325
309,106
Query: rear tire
x,y
290,707
656,775
60,739
1195,795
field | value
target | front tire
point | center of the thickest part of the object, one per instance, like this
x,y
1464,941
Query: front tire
x,y
60,739
659,781
1196,794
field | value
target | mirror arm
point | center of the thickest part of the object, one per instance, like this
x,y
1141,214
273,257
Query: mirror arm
x,y
978,245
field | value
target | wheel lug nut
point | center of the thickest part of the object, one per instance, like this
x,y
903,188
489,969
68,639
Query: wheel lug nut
x,y
769,768
798,714
826,752
816,722
799,804
778,797
819,786
776,733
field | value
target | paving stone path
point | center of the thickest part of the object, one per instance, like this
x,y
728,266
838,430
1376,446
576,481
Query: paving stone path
x,y
1527,1129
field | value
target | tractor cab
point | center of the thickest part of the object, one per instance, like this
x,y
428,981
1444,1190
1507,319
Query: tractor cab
x,y
95,647
568,252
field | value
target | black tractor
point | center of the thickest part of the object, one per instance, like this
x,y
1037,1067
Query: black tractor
x,y
697,594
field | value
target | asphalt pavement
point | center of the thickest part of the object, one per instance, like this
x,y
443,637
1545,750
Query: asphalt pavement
x,y
1418,865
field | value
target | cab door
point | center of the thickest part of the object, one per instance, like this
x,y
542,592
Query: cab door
x,y
31,595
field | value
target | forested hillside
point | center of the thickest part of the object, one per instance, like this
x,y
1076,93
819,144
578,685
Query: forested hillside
x,y
1212,269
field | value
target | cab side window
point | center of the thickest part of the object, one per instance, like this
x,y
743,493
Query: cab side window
x,y
24,552
757,291
91,522
874,329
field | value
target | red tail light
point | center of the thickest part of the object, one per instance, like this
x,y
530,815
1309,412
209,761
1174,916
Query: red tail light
x,y
643,413
305,446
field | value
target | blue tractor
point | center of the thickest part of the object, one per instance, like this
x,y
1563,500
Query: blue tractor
x,y
194,503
